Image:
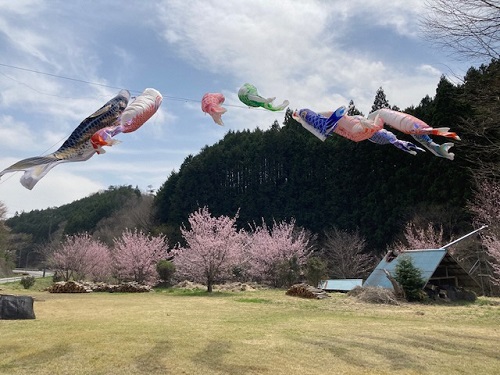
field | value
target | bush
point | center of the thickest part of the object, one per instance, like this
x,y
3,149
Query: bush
x,y
287,272
166,270
410,279
27,281
315,270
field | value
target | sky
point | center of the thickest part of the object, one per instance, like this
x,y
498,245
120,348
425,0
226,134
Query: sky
x,y
62,60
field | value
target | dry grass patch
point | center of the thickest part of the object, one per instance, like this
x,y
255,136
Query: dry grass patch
x,y
258,332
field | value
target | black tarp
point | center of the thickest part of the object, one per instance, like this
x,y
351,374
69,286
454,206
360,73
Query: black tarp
x,y
16,307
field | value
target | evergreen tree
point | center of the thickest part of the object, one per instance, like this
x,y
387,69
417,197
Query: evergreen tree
x,y
6,256
352,110
478,120
380,100
410,278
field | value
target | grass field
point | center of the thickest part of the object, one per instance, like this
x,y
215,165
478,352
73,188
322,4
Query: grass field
x,y
258,332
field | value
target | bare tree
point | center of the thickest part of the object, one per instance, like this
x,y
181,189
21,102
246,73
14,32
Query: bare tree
x,y
135,213
343,252
469,28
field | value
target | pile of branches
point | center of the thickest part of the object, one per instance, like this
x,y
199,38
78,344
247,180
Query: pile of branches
x,y
88,287
372,294
68,287
306,291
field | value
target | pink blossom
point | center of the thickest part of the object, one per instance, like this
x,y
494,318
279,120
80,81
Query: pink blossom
x,y
270,247
213,248
80,256
136,254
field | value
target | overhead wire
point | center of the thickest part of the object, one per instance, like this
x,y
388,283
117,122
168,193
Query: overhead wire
x,y
35,71
167,97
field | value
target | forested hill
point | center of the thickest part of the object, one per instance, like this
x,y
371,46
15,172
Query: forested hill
x,y
79,216
287,172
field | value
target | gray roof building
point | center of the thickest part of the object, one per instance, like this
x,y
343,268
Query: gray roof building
x,y
437,265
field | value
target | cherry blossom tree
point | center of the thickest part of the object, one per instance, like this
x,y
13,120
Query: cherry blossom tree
x,y
214,248
135,255
80,257
420,238
276,254
492,244
486,210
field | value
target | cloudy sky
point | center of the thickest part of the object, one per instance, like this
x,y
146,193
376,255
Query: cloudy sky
x,y
62,60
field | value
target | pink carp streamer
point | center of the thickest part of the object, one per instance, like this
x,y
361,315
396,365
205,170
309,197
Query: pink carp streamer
x,y
358,128
410,124
211,104
133,117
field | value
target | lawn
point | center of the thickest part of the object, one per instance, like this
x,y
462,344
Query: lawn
x,y
253,332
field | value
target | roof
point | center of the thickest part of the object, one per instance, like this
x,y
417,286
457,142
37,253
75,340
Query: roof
x,y
437,265
340,284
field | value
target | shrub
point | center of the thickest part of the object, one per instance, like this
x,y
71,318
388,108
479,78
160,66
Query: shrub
x,y
410,279
166,270
27,281
315,270
287,272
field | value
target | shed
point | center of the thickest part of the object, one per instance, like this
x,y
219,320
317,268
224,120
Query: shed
x,y
438,268
340,285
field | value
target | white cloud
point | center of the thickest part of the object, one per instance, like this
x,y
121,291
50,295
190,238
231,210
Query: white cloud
x,y
61,188
299,52
315,53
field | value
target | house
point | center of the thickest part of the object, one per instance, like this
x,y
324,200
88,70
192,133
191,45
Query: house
x,y
439,270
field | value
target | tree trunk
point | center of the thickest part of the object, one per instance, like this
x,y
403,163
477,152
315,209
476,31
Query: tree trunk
x,y
398,289
209,284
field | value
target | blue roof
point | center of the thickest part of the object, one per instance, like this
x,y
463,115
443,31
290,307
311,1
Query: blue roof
x,y
426,260
340,284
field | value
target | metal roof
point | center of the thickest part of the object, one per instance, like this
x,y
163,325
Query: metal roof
x,y
344,285
437,265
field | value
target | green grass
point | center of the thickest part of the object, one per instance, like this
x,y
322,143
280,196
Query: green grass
x,y
258,332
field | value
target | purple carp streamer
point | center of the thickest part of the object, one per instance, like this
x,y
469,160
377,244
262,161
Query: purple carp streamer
x,y
77,147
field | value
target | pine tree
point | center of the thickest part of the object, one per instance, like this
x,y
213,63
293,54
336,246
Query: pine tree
x,y
352,110
410,278
380,100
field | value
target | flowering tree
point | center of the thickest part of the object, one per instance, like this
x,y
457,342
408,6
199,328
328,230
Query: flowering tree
x,y
276,254
487,211
135,255
214,247
421,238
80,256
492,244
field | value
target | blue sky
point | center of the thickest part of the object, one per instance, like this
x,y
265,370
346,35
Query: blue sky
x,y
317,54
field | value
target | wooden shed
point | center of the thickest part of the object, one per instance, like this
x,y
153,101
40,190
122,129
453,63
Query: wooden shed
x,y
439,269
